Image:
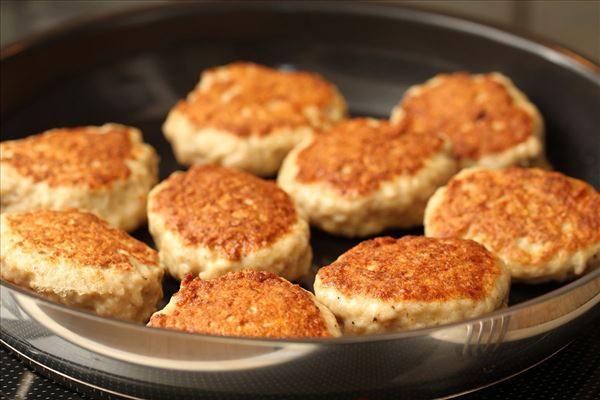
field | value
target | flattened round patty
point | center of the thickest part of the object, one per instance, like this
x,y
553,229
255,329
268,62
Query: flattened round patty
x,y
246,303
211,220
250,116
105,170
488,120
387,284
75,258
365,175
543,225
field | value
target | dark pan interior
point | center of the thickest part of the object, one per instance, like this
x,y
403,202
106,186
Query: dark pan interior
x,y
133,68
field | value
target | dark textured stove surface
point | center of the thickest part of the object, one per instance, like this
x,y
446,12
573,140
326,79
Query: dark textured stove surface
x,y
574,373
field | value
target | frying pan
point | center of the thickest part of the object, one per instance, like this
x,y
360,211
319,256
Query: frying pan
x,y
132,67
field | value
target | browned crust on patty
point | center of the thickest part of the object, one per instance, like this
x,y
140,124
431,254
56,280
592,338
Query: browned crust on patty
x,y
80,238
356,156
72,156
414,268
226,210
245,303
507,205
478,114
250,99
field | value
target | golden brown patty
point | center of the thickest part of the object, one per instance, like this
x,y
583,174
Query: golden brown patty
x,y
107,170
525,216
72,156
81,238
477,113
413,268
77,259
389,285
245,303
250,99
357,155
226,210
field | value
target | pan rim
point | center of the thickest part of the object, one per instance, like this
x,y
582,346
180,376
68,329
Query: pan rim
x,y
342,340
445,19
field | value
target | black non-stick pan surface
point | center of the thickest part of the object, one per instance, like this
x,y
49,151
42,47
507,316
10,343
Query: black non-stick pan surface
x,y
131,68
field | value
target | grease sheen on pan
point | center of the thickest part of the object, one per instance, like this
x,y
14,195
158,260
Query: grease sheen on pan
x,y
77,259
388,285
543,225
490,122
246,303
249,116
212,220
106,170
364,175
